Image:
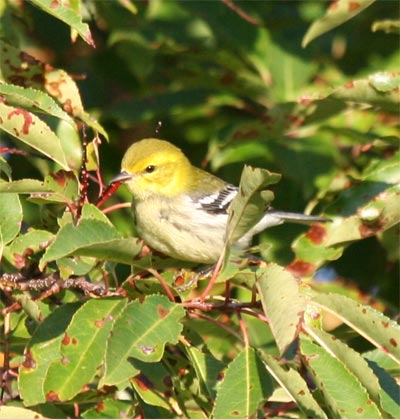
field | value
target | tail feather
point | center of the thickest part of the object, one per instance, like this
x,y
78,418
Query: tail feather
x,y
294,217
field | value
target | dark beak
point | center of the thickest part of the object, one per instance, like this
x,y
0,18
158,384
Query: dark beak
x,y
121,177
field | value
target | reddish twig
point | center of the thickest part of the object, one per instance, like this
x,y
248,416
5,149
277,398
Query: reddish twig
x,y
240,12
217,323
162,282
109,191
243,329
116,207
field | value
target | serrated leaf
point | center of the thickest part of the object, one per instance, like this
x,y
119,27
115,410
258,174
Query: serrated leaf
x,y
389,390
349,399
247,379
362,210
35,240
24,186
141,332
82,348
26,97
28,128
338,12
248,206
351,359
68,15
373,325
42,350
71,239
295,386
282,303
62,187
61,85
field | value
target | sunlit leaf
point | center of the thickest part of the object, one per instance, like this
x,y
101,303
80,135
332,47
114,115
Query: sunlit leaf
x,y
282,302
67,15
28,128
349,399
374,326
246,378
82,349
43,349
141,332
10,215
338,12
249,204
295,386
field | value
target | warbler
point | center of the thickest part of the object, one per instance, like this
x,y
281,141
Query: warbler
x,y
182,210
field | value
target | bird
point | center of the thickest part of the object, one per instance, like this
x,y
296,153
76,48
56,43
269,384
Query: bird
x,y
181,210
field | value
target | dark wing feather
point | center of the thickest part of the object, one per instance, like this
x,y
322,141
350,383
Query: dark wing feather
x,y
219,202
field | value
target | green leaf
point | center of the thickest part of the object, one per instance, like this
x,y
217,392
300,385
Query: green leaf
x,y
82,348
10,215
349,399
110,408
338,12
71,239
249,205
389,390
118,250
62,187
24,186
68,15
153,384
282,303
295,386
207,368
14,412
28,128
141,332
42,350
387,26
379,89
351,359
373,325
34,100
246,384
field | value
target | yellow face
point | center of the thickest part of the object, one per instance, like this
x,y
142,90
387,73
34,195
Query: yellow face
x,y
155,167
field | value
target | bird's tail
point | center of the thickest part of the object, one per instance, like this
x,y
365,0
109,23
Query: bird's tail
x,y
294,217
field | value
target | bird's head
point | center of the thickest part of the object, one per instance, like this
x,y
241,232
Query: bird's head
x,y
154,167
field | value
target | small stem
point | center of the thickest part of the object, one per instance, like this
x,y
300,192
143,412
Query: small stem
x,y
243,328
116,207
214,277
162,282
217,323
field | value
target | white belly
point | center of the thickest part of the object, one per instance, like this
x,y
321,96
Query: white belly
x,y
178,236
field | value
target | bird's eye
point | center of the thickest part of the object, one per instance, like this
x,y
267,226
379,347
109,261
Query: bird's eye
x,y
150,169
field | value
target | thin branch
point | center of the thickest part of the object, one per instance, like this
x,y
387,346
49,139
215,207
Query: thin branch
x,y
162,282
240,12
51,284
243,329
217,323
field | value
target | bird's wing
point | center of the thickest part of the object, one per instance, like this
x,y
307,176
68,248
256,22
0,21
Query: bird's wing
x,y
218,202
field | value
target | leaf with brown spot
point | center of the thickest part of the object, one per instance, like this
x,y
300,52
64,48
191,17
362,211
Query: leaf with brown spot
x,y
336,14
